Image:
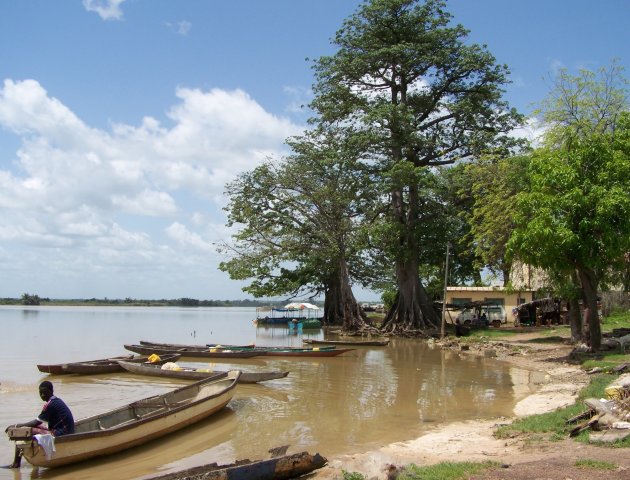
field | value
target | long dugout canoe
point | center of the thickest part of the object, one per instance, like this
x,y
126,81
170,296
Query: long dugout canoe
x,y
220,346
216,351
134,424
196,353
197,373
359,343
103,365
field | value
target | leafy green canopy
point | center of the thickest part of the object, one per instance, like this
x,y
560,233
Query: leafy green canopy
x,y
404,78
297,217
577,212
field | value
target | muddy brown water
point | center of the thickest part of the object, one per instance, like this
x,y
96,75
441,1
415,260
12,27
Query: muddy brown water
x,y
357,401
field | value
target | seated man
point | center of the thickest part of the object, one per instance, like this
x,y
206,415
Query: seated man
x,y
55,413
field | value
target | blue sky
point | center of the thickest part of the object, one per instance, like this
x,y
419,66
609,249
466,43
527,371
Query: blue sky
x,y
122,120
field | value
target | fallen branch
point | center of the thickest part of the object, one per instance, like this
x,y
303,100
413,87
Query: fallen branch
x,y
581,416
591,423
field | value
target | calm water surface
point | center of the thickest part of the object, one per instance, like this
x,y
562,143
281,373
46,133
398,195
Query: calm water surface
x,y
353,402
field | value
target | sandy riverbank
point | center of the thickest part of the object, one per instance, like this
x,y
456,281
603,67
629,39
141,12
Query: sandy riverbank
x,y
474,440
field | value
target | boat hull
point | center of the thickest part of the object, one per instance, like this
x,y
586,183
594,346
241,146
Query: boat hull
x,y
157,416
229,350
308,353
196,374
194,353
105,365
359,343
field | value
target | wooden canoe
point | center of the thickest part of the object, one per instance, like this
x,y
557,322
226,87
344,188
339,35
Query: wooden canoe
x,y
197,373
364,343
219,346
104,365
203,352
282,467
136,423
308,352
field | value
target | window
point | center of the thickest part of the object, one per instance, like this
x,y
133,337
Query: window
x,y
461,301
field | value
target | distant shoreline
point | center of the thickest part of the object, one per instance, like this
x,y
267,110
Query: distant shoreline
x,y
128,302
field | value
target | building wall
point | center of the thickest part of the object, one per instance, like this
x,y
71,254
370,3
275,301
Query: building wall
x,y
474,294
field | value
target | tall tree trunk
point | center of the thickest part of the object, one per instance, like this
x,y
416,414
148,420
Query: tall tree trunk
x,y
340,305
413,309
354,318
589,282
333,311
575,320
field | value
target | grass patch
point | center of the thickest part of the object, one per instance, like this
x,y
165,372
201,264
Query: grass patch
x,y
606,360
352,475
616,319
445,470
553,424
595,465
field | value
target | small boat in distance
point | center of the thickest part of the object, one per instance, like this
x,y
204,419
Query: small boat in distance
x,y
104,365
298,313
365,343
134,424
187,373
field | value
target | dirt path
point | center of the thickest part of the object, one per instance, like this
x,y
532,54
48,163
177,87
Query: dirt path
x,y
474,440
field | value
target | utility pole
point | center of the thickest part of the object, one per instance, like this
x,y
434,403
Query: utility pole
x,y
443,331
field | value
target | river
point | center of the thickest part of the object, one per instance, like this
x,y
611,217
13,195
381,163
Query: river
x,y
354,402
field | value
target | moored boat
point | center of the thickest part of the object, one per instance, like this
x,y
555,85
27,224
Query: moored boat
x,y
103,365
197,373
136,423
219,346
309,352
197,352
365,343
284,466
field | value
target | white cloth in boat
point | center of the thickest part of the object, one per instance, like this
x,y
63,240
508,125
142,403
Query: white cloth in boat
x,y
47,442
171,366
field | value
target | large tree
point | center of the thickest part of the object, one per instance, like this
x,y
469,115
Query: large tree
x,y
404,76
494,184
576,215
297,225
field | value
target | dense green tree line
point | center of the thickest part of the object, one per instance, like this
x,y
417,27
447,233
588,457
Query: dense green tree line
x,y
30,299
410,149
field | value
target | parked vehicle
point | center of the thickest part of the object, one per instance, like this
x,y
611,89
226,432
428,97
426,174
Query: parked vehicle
x,y
482,315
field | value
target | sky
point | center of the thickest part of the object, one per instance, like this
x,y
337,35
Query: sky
x,y
121,121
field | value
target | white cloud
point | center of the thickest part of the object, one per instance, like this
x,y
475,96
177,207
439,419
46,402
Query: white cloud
x,y
148,202
184,27
532,130
103,199
299,99
106,9
186,238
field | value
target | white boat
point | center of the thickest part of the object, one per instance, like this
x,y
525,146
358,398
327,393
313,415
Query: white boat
x,y
136,423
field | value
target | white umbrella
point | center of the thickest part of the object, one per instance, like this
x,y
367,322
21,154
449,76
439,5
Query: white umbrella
x,y
301,306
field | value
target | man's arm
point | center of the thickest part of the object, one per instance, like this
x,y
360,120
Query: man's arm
x,y
33,423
